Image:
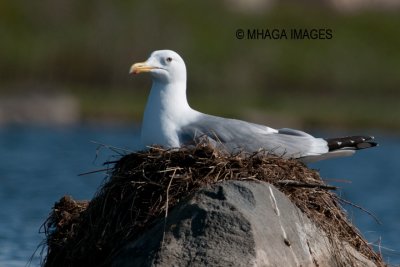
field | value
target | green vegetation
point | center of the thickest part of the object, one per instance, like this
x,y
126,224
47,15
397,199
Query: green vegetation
x,y
86,48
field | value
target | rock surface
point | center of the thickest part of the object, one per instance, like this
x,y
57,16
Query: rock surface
x,y
236,223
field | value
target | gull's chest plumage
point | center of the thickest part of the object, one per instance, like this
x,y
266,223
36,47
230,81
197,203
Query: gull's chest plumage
x,y
166,112
159,128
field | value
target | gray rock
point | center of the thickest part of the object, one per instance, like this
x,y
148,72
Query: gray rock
x,y
236,223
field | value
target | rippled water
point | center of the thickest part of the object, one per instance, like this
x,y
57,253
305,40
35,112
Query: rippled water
x,y
39,165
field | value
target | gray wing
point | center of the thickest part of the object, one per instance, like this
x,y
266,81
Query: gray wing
x,y
237,135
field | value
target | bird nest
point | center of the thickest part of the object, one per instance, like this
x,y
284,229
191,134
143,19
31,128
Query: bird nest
x,y
143,186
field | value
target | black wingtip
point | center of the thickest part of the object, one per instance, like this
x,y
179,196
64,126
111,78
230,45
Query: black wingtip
x,y
351,142
366,145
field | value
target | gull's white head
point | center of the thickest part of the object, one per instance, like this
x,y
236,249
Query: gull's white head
x,y
165,66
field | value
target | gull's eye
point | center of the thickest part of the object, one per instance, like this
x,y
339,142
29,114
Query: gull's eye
x,y
169,59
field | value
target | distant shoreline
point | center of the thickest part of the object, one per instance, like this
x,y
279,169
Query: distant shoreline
x,y
65,109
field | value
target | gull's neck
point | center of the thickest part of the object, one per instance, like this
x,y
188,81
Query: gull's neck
x,y
166,111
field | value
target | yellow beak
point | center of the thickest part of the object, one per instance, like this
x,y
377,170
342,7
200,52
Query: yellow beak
x,y
140,67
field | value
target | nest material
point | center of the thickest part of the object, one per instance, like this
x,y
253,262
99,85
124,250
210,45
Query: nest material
x,y
144,186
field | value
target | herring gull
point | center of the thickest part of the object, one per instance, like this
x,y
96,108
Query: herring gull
x,y
169,121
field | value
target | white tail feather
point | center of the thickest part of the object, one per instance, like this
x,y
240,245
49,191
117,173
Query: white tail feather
x,y
329,155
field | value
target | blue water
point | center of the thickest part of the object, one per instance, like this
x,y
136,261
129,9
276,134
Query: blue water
x,y
38,165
